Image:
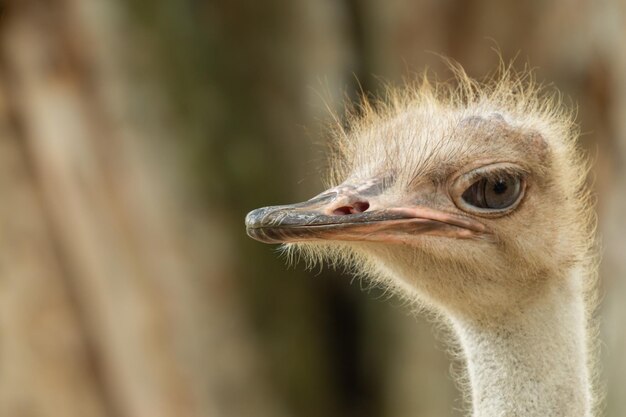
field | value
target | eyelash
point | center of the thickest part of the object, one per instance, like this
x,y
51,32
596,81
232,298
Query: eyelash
x,y
492,174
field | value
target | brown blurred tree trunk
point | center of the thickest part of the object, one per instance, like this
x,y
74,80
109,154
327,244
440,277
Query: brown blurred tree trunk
x,y
107,307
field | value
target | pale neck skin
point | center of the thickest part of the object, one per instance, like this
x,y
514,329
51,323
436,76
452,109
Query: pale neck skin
x,y
532,363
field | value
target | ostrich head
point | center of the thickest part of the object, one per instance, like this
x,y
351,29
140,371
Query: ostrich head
x,y
468,198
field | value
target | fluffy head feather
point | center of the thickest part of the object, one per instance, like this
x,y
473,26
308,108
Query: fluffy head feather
x,y
428,132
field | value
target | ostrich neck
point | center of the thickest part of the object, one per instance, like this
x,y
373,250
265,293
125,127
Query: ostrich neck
x,y
532,362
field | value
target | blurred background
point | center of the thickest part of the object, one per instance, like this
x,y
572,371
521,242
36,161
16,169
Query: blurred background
x,y
136,134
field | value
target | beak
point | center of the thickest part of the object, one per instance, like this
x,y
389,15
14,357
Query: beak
x,y
344,214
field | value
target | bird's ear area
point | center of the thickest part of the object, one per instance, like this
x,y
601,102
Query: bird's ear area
x,y
495,124
529,148
494,132
533,143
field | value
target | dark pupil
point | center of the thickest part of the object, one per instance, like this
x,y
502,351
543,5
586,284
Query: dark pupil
x,y
500,187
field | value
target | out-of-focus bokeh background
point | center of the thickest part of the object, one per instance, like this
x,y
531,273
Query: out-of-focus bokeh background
x,y
136,134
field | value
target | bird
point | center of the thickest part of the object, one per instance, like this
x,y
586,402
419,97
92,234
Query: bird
x,y
470,199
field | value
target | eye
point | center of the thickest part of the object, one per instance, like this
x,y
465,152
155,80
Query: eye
x,y
494,192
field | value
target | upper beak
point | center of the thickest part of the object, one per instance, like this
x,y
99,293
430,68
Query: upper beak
x,y
345,216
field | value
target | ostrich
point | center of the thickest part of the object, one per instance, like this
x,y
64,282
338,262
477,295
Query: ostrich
x,y
468,198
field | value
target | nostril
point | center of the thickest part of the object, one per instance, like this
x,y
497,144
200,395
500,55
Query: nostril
x,y
342,211
358,207
361,206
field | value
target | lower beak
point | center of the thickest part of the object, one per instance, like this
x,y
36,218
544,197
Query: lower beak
x,y
310,221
